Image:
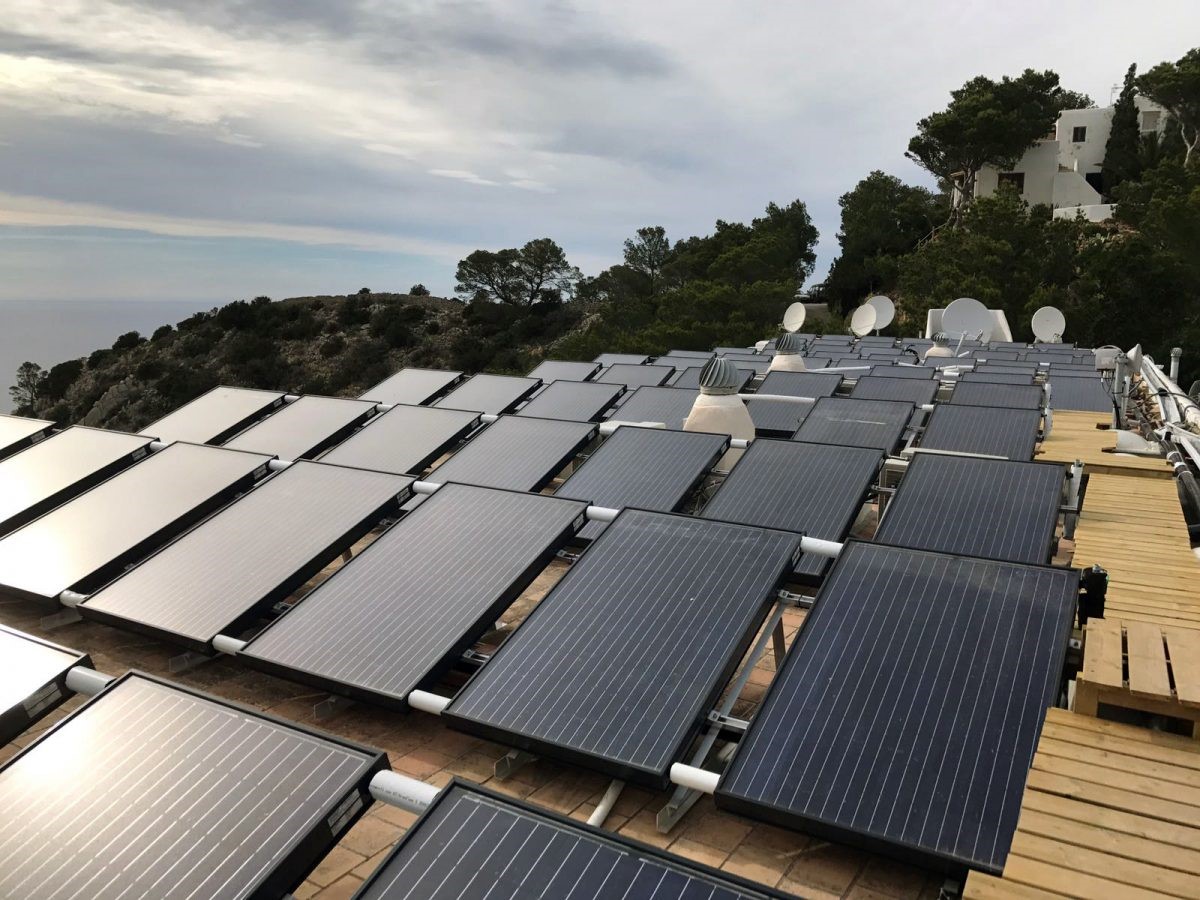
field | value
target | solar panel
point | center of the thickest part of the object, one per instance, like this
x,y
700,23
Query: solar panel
x,y
412,386
801,384
916,372
815,362
556,370
635,376
489,394
734,351
986,430
813,489
668,405
576,401
997,377
856,423
473,844
610,359
214,416
303,428
64,465
519,453
1079,393
918,391
33,679
759,365
154,790
948,665
405,440
688,354
84,542
1001,366
405,609
618,666
1013,396
230,568
689,378
777,418
993,508
649,468
18,432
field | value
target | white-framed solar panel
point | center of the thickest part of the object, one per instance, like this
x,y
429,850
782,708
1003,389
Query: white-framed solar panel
x,y
215,415
33,679
303,428
413,386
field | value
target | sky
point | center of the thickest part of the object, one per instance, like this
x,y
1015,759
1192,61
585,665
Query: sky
x,y
217,149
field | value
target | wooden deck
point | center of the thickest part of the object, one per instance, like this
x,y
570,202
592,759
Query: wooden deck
x,y
1110,811
1134,528
1086,436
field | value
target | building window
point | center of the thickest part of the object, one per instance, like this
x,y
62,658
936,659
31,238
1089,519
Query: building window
x,y
1015,179
1079,134
1150,120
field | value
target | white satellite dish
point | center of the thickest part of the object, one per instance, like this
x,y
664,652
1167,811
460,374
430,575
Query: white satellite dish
x,y
1134,355
967,317
793,317
885,310
863,320
1049,324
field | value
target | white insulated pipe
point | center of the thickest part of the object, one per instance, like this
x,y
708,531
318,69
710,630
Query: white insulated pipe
x,y
427,702
278,465
83,680
818,547
604,807
71,598
607,428
694,779
594,513
223,643
401,791
158,445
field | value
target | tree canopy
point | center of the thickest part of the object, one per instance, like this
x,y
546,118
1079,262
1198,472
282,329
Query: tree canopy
x,y
1176,88
1122,153
536,273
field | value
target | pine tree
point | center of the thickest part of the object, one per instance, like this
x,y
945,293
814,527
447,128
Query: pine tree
x,y
1122,160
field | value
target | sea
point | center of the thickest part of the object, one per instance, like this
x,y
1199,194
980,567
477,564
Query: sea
x,y
51,331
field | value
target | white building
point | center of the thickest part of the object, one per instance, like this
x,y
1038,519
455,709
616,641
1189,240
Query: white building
x,y
1063,170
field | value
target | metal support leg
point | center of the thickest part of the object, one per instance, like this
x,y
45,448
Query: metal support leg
x,y
348,555
60,619
187,661
511,761
778,644
331,706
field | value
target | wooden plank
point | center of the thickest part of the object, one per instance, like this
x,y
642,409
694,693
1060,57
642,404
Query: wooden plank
x,y
1102,653
1185,752
1145,785
1113,798
1115,868
1120,762
1184,649
1127,846
1147,662
1069,811
1074,884
981,886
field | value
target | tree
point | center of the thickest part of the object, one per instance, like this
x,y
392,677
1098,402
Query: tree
x,y
418,290
539,272
647,253
987,123
1176,88
26,391
1122,153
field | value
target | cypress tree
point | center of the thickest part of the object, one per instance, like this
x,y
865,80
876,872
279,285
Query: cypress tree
x,y
1122,160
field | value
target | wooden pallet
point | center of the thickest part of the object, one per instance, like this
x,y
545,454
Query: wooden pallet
x,y
1143,666
1109,811
1088,436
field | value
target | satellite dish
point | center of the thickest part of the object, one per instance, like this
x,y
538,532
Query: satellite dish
x,y
885,310
967,317
793,317
863,320
1049,324
1134,355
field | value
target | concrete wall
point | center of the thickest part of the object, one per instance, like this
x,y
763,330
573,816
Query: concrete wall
x,y
1096,212
1072,189
1086,156
1039,165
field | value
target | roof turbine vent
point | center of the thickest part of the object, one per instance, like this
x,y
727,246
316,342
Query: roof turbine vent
x,y
719,376
789,342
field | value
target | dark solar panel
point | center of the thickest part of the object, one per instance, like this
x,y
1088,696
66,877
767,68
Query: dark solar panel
x,y
997,377
473,844
576,401
856,423
556,370
258,550
814,489
633,359
405,440
84,542
64,465
649,468
304,427
1079,393
986,430
668,405
992,508
777,418
759,365
948,665
916,372
1002,367
801,384
214,416
815,362
489,394
689,378
18,432
419,596
520,453
617,667
918,391
152,790
412,386
688,354
635,376
1012,396
33,680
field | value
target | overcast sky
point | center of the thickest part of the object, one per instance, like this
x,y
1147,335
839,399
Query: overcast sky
x,y
218,149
